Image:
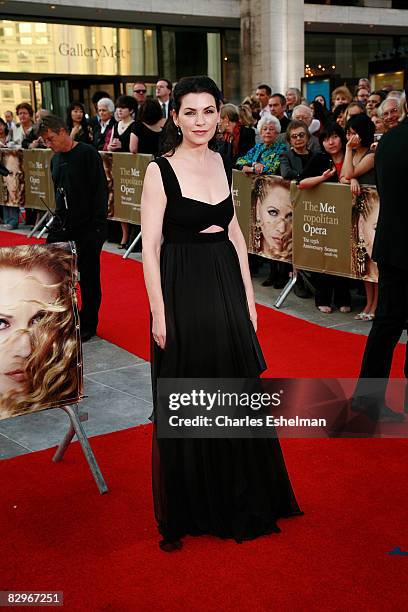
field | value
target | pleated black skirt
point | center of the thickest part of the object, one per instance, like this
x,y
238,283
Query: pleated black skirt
x,y
231,488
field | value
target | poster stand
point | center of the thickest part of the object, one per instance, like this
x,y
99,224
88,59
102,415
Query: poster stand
x,y
39,224
44,229
291,283
76,427
134,243
287,289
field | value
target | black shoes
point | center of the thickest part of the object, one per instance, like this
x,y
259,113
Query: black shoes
x,y
375,412
170,545
300,289
268,282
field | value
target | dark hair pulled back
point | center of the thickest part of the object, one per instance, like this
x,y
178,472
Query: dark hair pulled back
x,y
195,84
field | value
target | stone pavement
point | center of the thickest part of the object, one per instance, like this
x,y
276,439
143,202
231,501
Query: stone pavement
x,y
117,383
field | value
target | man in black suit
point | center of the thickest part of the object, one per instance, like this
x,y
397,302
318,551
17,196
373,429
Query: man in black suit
x,y
277,107
390,251
163,94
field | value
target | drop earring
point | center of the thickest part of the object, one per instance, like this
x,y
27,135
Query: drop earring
x,y
257,236
179,133
361,257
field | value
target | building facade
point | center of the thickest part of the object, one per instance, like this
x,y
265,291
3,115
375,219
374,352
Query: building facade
x,y
54,53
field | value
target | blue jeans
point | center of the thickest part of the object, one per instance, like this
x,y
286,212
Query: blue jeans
x,y
10,215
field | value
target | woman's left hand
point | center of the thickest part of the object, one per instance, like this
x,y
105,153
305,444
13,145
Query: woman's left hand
x,y
259,168
253,315
353,142
355,187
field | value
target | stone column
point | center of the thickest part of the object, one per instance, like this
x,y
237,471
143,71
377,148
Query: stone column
x,y
273,32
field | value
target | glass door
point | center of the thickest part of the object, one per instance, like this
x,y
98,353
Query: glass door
x,y
82,90
55,96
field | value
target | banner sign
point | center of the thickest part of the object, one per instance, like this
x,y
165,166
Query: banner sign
x,y
30,180
125,173
38,179
324,229
12,192
321,229
40,349
334,231
107,160
265,215
365,211
241,193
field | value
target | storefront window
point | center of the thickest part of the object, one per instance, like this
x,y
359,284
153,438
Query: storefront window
x,y
187,52
230,64
169,55
346,55
13,92
77,49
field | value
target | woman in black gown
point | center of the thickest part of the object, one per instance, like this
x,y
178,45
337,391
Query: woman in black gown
x,y
123,140
203,326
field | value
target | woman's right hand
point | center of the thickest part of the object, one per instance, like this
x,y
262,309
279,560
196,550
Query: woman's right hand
x,y
328,173
115,144
159,330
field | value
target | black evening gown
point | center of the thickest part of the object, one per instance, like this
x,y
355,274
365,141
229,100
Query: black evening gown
x,y
231,488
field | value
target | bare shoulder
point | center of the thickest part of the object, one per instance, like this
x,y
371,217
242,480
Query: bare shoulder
x,y
153,174
153,182
152,170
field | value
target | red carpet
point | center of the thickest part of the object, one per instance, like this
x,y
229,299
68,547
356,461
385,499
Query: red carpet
x,y
58,533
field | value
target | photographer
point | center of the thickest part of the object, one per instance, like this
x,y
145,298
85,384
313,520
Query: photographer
x,y
81,196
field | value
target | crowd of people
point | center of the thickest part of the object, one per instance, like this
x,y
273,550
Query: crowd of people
x,y
131,124
314,142
269,133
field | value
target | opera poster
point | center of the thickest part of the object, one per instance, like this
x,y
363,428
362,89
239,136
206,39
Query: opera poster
x,y
271,220
366,207
241,193
40,349
107,160
37,179
128,173
322,228
12,186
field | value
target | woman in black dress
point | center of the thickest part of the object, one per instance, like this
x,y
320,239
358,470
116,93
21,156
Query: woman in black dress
x,y
203,326
123,140
148,127
77,123
327,166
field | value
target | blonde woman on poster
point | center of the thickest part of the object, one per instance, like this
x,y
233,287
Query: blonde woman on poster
x,y
40,358
272,212
364,224
358,170
13,188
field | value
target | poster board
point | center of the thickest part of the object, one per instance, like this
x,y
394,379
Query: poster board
x,y
40,348
265,214
128,172
12,186
333,231
38,179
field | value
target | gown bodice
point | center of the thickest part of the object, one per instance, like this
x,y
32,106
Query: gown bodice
x,y
184,217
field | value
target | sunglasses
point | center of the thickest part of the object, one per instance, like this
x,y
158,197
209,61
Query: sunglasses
x,y
139,91
300,135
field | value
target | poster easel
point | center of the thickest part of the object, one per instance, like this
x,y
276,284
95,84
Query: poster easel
x,y
76,417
